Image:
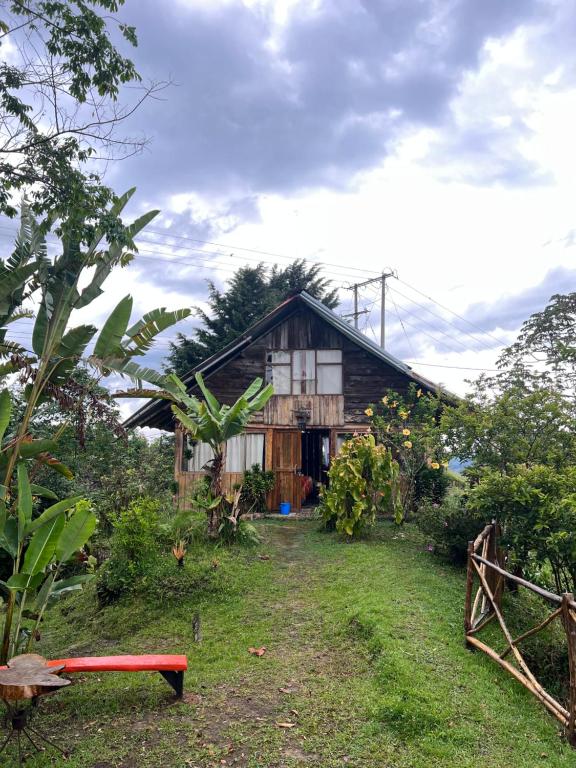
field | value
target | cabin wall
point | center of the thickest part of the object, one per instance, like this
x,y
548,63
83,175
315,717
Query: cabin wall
x,y
365,378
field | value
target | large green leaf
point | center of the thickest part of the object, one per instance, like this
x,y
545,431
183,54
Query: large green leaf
x,y
5,411
9,537
31,449
72,346
142,334
19,582
76,533
46,493
40,329
52,512
13,280
110,338
24,500
211,401
42,546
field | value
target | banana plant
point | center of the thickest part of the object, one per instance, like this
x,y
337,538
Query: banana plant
x,y
208,421
61,285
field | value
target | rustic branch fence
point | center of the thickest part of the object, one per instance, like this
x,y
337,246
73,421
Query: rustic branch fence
x,y
485,561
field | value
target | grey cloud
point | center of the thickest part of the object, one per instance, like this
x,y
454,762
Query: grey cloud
x,y
345,83
502,317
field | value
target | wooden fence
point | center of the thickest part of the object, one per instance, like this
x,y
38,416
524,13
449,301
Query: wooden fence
x,y
485,561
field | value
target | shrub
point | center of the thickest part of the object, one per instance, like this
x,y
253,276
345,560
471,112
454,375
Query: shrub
x,y
537,509
451,525
431,485
256,485
135,546
363,481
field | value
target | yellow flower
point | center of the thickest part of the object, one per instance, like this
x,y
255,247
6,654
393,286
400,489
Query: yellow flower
x,y
385,400
419,393
387,427
407,444
369,412
403,414
405,432
435,465
393,404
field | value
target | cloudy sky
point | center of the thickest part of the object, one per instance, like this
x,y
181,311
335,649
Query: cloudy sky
x,y
430,137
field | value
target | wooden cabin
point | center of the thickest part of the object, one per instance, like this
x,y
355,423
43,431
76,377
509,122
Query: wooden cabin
x,y
325,374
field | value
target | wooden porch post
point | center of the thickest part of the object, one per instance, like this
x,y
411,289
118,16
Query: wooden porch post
x,y
569,621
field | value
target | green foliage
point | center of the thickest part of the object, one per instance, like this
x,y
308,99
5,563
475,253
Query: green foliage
x,y
69,281
136,545
251,293
363,481
449,526
537,507
550,334
63,52
407,425
255,487
511,419
210,422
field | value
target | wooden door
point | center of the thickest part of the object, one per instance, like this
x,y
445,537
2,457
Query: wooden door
x,y
286,463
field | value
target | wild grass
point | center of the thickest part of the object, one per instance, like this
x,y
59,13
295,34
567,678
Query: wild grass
x,y
364,659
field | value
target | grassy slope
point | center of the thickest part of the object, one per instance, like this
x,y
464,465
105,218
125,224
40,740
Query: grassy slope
x,y
364,656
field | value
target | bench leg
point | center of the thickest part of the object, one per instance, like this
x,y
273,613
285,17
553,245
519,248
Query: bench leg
x,y
175,680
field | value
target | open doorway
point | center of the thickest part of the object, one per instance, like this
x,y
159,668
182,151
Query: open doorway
x,y
315,463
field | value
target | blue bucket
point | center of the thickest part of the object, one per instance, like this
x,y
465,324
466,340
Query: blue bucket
x,y
285,507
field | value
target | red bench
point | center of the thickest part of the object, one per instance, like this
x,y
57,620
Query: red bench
x,y
171,667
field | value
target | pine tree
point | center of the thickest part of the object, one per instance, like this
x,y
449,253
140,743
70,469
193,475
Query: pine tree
x,y
249,295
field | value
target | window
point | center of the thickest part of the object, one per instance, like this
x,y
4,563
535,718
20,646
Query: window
x,y
196,456
305,371
243,451
278,367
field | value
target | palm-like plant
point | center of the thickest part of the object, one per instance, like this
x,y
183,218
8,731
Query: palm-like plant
x,y
70,281
210,422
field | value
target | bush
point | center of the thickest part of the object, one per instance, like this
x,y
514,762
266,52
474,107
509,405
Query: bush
x,y
537,509
431,485
363,482
135,546
451,525
256,485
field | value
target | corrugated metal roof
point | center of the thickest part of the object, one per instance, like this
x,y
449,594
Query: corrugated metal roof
x,y
152,411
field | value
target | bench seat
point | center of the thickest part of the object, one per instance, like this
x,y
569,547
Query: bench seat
x,y
152,663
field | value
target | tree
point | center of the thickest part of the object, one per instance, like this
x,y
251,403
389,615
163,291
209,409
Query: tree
x,y
59,110
209,422
511,420
549,336
251,293
73,279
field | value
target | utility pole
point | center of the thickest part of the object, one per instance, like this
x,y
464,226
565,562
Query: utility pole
x,y
382,280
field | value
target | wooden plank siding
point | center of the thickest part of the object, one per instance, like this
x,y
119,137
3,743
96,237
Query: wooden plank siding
x,y
365,378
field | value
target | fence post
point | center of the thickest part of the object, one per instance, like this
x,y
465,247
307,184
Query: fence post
x,y
569,622
468,601
492,577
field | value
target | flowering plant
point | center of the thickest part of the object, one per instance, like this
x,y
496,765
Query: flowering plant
x,y
408,425
363,481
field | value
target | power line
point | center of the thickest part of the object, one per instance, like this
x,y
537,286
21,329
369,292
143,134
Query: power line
x,y
402,324
444,320
455,367
472,325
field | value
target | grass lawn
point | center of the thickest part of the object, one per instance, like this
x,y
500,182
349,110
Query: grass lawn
x,y
364,659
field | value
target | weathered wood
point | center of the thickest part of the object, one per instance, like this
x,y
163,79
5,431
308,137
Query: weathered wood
x,y
570,628
323,410
550,596
484,533
517,655
469,587
556,709
532,631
